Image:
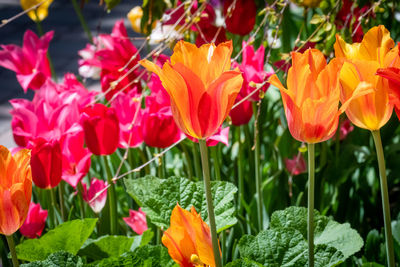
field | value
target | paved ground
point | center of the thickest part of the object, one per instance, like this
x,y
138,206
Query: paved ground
x,y
68,39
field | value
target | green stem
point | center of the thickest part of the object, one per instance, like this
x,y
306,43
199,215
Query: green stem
x,y
11,246
210,206
385,198
310,222
82,20
111,197
61,198
188,161
54,205
258,173
197,167
81,204
217,170
240,172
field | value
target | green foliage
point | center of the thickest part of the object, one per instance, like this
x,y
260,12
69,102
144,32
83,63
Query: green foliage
x,y
113,246
285,243
158,197
68,237
58,259
155,256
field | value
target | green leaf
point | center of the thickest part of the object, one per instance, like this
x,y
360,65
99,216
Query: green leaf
x,y
113,246
243,263
326,231
155,256
68,237
58,259
158,197
285,243
111,3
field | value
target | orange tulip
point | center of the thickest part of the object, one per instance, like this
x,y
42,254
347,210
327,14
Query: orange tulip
x,y
311,101
188,239
15,189
201,87
361,62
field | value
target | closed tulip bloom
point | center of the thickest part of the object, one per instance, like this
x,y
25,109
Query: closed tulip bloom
x,y
39,13
35,221
136,221
393,76
240,16
188,239
96,186
361,62
311,100
201,86
46,162
15,189
101,127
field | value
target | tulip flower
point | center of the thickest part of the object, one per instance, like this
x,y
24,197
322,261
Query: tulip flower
x,y
39,13
135,17
137,221
311,101
188,239
393,76
30,61
35,221
296,165
76,159
15,189
240,16
221,136
46,162
129,113
361,62
201,86
241,114
101,128
345,128
98,203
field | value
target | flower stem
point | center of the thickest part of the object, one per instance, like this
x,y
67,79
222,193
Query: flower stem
x,y
385,198
310,222
80,197
82,20
240,172
196,160
111,197
11,246
217,170
257,172
61,197
210,206
54,205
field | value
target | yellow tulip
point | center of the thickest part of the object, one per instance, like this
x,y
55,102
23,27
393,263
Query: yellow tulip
x,y
39,13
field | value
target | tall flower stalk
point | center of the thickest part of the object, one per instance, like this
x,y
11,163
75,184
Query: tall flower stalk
x,y
385,197
310,216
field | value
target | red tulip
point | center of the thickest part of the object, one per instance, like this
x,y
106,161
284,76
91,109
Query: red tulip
x,y
159,129
46,163
35,221
241,16
29,61
241,114
101,128
137,221
96,186
345,128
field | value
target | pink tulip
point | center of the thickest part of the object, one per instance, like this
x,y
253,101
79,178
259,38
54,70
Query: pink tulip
x,y
35,221
118,61
76,158
297,165
345,128
29,62
96,185
129,113
137,221
221,136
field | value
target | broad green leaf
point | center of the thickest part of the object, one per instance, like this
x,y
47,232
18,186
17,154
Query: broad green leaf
x,y
326,231
68,237
155,256
285,247
113,246
158,197
58,259
285,243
